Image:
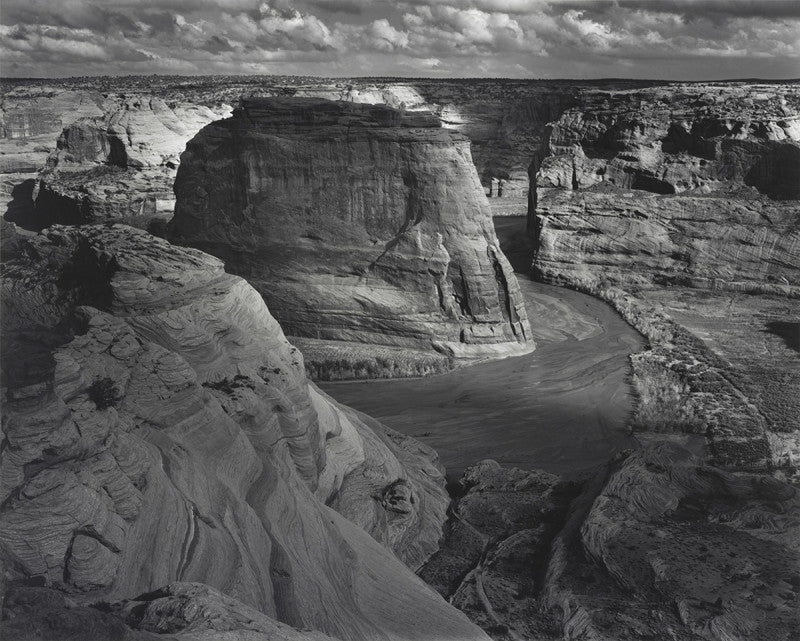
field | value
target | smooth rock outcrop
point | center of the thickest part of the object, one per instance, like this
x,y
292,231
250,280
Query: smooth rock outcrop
x,y
160,428
356,223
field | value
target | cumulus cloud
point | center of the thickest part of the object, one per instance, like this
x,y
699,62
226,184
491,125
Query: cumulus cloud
x,y
544,38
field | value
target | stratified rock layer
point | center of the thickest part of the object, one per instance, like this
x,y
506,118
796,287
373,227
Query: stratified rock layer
x,y
732,241
355,222
118,167
692,185
159,428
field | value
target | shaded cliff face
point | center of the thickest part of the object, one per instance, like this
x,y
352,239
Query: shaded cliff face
x,y
160,428
697,186
356,223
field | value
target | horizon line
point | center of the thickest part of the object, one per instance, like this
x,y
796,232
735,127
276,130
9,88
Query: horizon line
x,y
407,78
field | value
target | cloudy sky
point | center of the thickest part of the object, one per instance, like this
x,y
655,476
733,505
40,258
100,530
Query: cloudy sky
x,y
661,39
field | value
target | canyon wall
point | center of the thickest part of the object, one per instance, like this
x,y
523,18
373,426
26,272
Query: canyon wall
x,y
654,198
355,222
119,166
505,120
697,187
159,428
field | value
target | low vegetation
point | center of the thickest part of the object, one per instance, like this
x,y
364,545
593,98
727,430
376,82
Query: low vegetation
x,y
103,393
339,369
339,361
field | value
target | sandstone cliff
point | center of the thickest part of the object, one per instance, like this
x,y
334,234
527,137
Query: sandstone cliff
x,y
695,185
160,428
356,223
119,166
653,194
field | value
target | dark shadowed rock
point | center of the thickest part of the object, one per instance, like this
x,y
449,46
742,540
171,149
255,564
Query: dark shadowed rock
x,y
177,612
683,550
657,545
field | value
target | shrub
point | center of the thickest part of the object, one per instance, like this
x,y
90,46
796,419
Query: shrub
x,y
104,393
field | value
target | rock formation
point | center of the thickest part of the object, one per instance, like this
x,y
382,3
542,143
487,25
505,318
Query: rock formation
x,y
652,193
683,550
656,545
159,428
356,223
507,122
176,612
120,166
493,556
31,119
697,186
734,241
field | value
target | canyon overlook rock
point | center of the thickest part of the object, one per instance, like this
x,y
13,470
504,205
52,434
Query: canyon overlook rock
x,y
154,410
357,223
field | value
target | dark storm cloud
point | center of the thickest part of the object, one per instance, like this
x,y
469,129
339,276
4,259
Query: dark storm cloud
x,y
566,38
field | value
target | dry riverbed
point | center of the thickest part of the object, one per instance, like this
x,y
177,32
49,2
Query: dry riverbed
x,y
562,408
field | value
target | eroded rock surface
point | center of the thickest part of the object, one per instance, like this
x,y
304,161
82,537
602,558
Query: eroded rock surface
x,y
119,166
697,186
176,612
160,428
492,560
682,549
657,545
655,195
356,223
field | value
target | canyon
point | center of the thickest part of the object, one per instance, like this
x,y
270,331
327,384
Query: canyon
x,y
171,471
